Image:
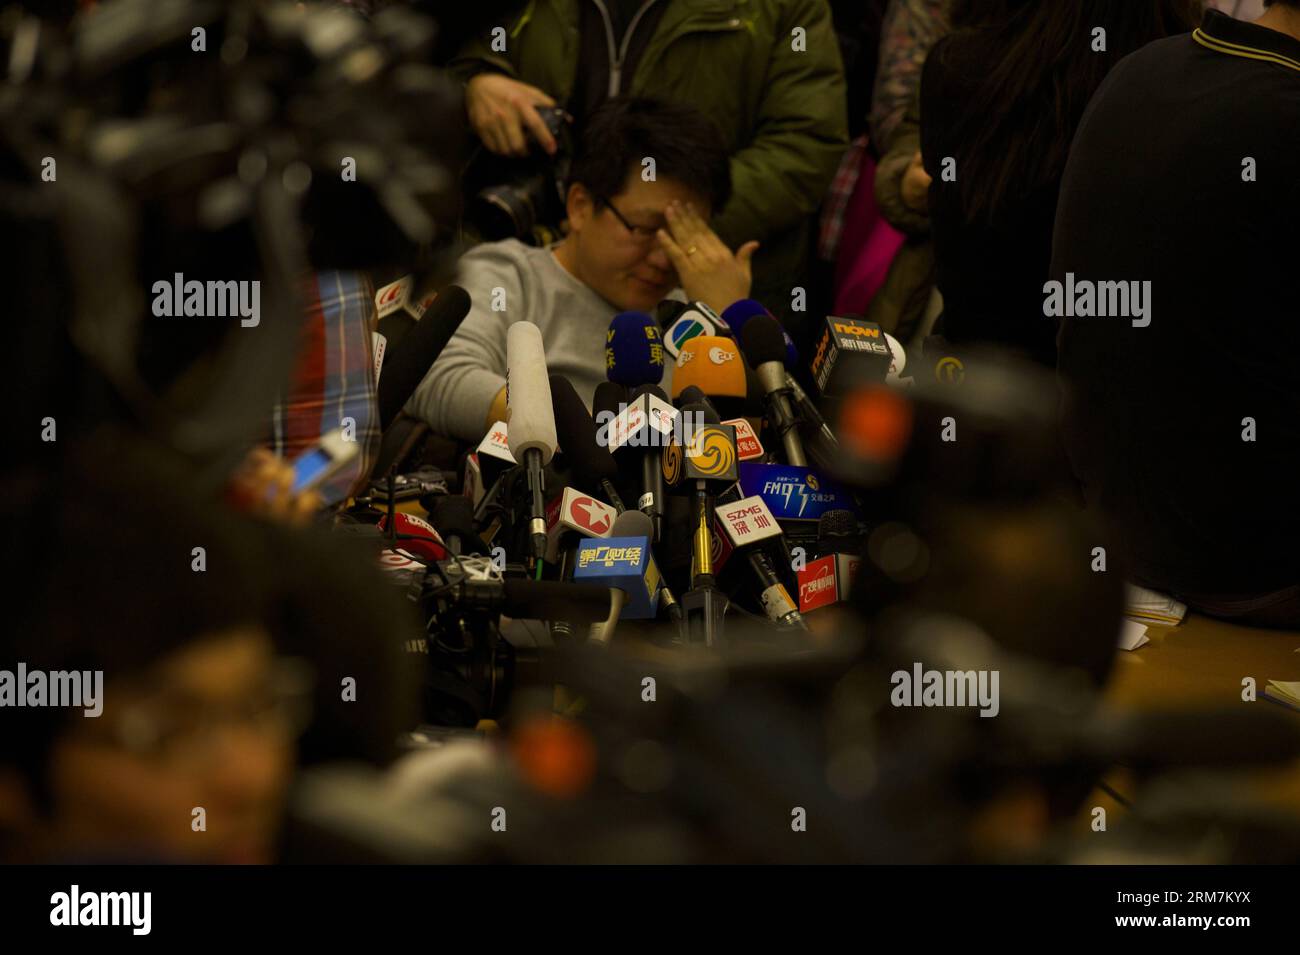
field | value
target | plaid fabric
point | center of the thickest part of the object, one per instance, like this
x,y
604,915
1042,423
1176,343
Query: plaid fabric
x,y
910,28
334,378
837,199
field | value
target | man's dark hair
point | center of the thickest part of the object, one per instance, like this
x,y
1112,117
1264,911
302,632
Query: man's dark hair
x,y
684,143
1282,3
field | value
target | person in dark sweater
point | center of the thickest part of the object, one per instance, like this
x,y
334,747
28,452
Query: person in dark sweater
x,y
1000,100
1185,174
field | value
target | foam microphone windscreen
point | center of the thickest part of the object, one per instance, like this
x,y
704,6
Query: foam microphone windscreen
x,y
408,361
702,413
649,389
738,314
453,516
837,523
609,399
763,340
838,531
634,350
691,395
764,343
528,393
714,365
633,524
576,431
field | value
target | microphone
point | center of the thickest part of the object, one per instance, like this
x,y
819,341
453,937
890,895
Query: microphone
x,y
715,366
704,463
408,360
765,348
589,460
607,403
660,419
495,464
738,313
682,321
531,434
525,599
850,352
454,519
694,395
748,523
812,414
794,493
624,563
748,447
634,350
574,512
571,515
829,578
417,536
839,531
394,321
608,399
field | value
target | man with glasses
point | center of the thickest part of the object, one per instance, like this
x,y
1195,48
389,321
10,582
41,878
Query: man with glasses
x,y
644,182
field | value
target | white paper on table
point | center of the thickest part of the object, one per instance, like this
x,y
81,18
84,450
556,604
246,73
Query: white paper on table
x,y
1133,635
1153,607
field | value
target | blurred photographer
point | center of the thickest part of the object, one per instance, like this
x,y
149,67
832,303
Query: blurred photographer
x,y
196,709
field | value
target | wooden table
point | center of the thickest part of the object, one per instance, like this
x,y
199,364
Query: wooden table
x,y
1201,663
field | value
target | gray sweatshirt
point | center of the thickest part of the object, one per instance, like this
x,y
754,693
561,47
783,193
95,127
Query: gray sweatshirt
x,y
530,286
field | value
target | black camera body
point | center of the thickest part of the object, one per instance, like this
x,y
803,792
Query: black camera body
x,y
521,199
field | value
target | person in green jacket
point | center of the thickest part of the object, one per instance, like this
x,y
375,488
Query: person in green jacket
x,y
767,72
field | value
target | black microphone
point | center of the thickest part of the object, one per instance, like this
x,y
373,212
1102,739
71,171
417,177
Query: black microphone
x,y
839,532
751,527
575,430
608,401
764,343
651,501
408,361
694,395
702,462
453,517
591,460
551,600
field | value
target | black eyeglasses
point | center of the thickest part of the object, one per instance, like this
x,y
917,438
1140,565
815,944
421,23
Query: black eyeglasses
x,y
640,232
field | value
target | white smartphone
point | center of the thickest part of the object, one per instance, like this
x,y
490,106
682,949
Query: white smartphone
x,y
318,464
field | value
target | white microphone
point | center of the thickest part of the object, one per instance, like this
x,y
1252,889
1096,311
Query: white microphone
x,y
531,419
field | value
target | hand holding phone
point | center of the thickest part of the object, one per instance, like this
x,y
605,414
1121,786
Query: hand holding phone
x,y
287,491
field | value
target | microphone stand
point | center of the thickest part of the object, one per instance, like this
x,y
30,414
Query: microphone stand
x,y
704,605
